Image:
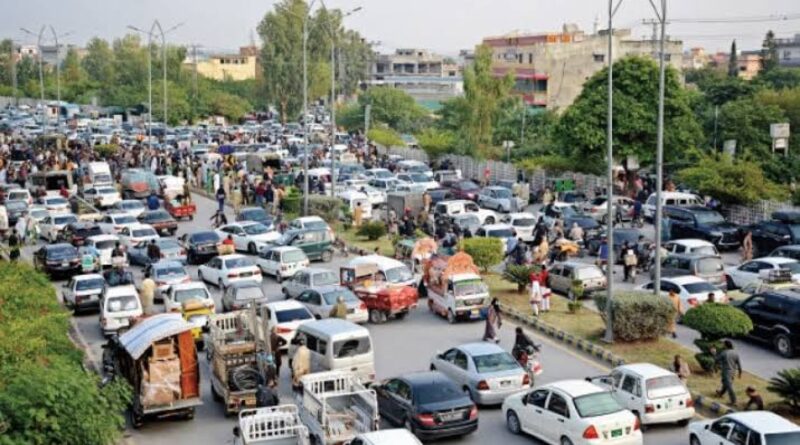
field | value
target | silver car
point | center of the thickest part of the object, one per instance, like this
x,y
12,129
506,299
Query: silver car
x,y
485,370
166,274
320,301
309,278
499,199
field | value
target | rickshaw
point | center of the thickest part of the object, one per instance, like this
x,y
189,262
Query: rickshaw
x,y
196,312
177,209
383,300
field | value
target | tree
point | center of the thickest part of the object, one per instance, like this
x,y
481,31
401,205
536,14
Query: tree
x,y
779,78
786,384
732,181
385,136
436,142
582,128
715,321
769,53
483,92
747,121
388,106
733,61
99,62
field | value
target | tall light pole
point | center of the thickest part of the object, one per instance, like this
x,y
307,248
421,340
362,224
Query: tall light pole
x,y
305,106
58,79
662,17
609,336
41,61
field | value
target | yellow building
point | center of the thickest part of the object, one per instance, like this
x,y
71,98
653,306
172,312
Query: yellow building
x,y
241,66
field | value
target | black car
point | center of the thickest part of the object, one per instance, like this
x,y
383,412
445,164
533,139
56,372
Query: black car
x,y
256,214
620,236
78,232
589,225
201,246
57,259
702,223
16,210
160,220
783,229
776,319
428,404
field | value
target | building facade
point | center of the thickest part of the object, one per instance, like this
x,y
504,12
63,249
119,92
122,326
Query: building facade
x,y
550,68
789,51
233,66
429,78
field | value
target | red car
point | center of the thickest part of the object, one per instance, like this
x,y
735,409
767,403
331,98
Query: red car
x,y
465,189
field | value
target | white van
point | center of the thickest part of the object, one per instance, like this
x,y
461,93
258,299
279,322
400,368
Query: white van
x,y
100,174
398,436
118,306
353,198
338,345
678,199
394,272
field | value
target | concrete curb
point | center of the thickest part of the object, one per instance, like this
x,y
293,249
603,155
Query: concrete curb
x,y
701,402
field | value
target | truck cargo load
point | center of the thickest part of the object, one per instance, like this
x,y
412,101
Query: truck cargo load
x,y
455,287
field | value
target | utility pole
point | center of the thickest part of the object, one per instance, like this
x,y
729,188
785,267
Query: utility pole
x,y
662,17
367,110
41,64
58,79
333,115
305,108
14,75
194,80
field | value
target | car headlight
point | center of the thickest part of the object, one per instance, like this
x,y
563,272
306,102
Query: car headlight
x,y
716,234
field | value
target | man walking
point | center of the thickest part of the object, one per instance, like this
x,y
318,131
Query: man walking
x,y
729,363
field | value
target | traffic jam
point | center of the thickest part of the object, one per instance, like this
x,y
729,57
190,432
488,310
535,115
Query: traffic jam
x,y
197,275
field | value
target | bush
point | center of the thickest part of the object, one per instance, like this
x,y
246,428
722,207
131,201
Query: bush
x,y
105,151
326,207
45,394
520,275
787,385
372,230
485,252
715,321
291,202
638,315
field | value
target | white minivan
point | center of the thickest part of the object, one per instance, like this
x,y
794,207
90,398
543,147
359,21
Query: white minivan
x,y
393,271
119,305
678,199
653,394
338,345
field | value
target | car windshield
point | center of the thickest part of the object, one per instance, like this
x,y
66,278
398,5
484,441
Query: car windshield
x,y
332,296
287,315
597,404
418,177
205,237
598,201
65,219
39,213
255,229
498,362
525,222
170,271
782,438
469,287
293,256
664,386
108,191
141,233
92,283
158,216
326,278
351,347
705,250
586,273
132,205
122,303
253,215
709,218
233,263
56,201
398,274
62,253
500,233
105,244
315,225
701,287
437,392
124,219
710,265
383,174
502,193
249,293
190,294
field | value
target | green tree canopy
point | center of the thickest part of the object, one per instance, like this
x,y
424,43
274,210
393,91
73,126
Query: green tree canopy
x,y
582,129
435,142
732,181
388,106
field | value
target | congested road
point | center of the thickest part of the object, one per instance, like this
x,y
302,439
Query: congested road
x,y
400,347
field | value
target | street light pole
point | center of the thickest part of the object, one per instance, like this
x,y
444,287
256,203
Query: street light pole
x,y
609,335
41,61
58,79
662,17
305,108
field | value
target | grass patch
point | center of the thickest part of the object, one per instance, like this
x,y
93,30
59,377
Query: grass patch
x,y
384,244
588,325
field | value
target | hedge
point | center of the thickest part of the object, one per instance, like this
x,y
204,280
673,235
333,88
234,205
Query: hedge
x,y
326,207
714,322
46,396
637,315
485,252
372,230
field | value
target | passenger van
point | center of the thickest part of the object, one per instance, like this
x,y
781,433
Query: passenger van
x,y
338,345
393,271
677,199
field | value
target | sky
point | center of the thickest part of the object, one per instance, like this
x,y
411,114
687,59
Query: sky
x,y
445,26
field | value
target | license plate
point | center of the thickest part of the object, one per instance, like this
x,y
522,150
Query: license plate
x,y
475,313
449,417
505,383
616,433
668,404
64,263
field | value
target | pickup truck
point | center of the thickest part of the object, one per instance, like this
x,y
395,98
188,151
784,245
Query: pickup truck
x,y
232,348
277,425
455,287
336,407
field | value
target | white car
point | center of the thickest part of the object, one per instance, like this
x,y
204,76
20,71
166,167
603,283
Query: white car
x,y
52,226
221,271
750,428
55,204
502,231
167,273
456,206
102,197
248,236
571,412
420,179
285,317
113,223
739,276
397,436
652,393
118,306
104,245
499,199
135,234
178,294
38,213
83,291
132,207
692,246
282,262
692,290
19,195
598,208
378,173
523,223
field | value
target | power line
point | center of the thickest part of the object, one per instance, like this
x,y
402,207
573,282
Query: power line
x,y
742,19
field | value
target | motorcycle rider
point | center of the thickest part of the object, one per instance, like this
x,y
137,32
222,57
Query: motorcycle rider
x,y
521,343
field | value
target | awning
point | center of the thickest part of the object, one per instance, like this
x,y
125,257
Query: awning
x,y
152,329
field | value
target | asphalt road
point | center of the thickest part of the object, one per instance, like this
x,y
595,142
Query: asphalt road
x,y
400,347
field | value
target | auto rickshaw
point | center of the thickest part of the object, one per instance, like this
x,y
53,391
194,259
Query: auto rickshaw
x,y
196,312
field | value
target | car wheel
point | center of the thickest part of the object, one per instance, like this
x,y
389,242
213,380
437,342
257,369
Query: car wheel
x,y
512,422
693,440
566,441
451,317
215,395
375,316
783,344
490,220
251,249
327,256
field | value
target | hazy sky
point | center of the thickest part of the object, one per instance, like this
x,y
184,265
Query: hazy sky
x,y
443,25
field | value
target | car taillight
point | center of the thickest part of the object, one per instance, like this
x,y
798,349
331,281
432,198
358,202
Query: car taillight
x,y
426,419
526,379
362,306
233,275
257,272
593,210
692,302
473,412
649,409
637,425
483,386
283,330
690,402
590,433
